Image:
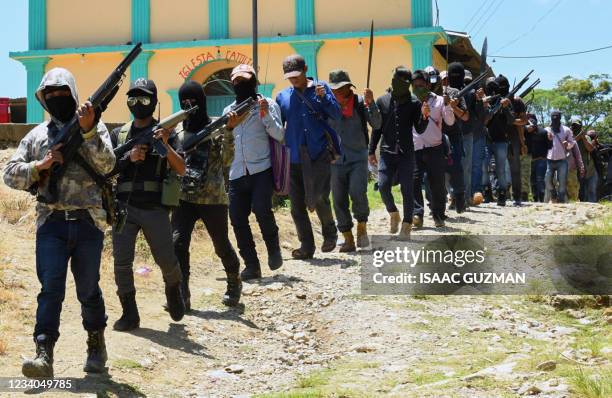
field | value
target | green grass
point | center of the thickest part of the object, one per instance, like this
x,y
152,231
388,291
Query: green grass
x,y
127,364
592,384
375,200
602,225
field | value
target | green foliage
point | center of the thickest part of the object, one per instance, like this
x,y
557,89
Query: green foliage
x,y
588,99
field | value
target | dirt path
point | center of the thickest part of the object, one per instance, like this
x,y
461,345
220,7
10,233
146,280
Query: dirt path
x,y
306,330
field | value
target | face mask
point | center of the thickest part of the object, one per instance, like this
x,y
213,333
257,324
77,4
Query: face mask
x,y
400,88
141,111
245,89
555,122
421,93
61,107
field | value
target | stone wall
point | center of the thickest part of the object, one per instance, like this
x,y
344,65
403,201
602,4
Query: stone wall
x,y
12,133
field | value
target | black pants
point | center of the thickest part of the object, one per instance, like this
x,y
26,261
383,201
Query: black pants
x,y
299,213
455,170
401,165
430,161
253,193
215,220
514,158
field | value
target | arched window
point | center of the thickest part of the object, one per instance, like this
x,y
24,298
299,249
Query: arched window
x,y
219,91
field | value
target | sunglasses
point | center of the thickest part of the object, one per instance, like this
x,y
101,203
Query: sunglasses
x,y
131,101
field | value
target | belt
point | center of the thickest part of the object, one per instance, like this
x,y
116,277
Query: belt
x,y
70,215
146,186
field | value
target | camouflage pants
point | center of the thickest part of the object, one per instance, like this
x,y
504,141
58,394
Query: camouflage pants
x,y
573,186
525,174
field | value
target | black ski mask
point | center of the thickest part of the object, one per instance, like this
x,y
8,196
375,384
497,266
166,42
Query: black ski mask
x,y
491,87
504,85
245,89
194,93
555,121
61,107
456,75
141,111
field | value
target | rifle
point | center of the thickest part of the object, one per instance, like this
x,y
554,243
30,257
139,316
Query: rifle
x,y
529,89
210,131
147,136
475,83
70,134
511,94
370,54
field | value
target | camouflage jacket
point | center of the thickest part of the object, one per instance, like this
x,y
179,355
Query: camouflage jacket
x,y
220,156
76,190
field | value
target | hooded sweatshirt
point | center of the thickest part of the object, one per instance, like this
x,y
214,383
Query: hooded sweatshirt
x,y
76,189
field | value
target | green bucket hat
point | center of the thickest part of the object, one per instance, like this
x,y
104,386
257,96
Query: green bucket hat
x,y
339,78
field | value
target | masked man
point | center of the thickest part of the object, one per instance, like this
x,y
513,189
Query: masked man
x,y
429,150
400,114
562,142
142,176
350,172
456,75
203,195
516,138
251,181
70,228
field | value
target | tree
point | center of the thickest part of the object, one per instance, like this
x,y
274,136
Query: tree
x,y
588,99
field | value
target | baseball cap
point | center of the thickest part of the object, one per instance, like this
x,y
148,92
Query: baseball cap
x,y
468,75
144,85
443,75
293,66
243,70
339,78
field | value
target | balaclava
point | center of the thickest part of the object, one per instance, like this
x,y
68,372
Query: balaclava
x,y
400,84
141,111
491,86
555,121
194,92
504,85
456,75
245,89
61,107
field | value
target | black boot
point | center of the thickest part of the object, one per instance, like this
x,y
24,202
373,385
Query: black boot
x,y
460,203
130,319
250,272
96,352
231,297
174,298
42,365
186,293
488,194
501,198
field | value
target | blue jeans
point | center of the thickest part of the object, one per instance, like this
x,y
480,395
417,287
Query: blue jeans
x,y
350,180
539,172
588,188
468,148
500,152
478,156
403,165
560,167
58,241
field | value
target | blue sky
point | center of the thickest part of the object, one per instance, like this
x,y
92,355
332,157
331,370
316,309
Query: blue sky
x,y
541,26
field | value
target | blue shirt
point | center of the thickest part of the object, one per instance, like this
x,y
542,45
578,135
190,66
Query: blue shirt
x,y
301,125
251,144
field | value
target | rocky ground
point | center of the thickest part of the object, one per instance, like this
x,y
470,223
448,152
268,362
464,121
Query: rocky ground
x,y
306,331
